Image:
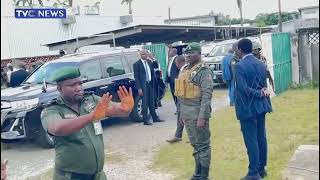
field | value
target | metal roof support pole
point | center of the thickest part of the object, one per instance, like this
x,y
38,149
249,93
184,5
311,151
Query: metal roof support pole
x,y
114,40
245,32
215,34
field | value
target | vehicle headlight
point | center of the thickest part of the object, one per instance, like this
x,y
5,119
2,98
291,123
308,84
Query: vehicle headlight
x,y
25,104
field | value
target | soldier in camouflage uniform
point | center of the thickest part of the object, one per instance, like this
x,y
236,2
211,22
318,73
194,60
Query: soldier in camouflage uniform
x,y
194,88
74,121
256,51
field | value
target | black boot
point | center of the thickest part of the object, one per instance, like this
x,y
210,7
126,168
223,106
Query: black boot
x,y
197,169
197,172
204,173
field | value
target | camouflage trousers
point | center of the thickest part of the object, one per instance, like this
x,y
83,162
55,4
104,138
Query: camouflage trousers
x,y
200,140
58,175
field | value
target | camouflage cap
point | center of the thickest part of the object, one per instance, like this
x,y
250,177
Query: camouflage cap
x,y
256,45
66,73
193,47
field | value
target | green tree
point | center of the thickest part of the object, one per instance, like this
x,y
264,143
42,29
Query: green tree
x,y
267,19
128,2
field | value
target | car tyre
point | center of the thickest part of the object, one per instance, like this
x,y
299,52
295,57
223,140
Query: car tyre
x,y
136,114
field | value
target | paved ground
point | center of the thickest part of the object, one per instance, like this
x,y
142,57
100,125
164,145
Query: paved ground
x,y
134,143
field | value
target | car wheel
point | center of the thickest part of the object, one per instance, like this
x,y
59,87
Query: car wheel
x,y
136,114
44,139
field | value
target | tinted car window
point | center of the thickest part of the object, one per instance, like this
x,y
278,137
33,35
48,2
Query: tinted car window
x,y
113,66
46,72
91,70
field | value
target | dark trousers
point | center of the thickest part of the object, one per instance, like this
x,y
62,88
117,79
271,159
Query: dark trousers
x,y
255,139
172,92
180,126
148,103
231,84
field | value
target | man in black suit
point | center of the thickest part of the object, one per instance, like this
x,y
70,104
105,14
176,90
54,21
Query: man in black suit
x,y
144,78
172,72
17,77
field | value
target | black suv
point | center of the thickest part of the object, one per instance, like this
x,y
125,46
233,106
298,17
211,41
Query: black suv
x,y
101,72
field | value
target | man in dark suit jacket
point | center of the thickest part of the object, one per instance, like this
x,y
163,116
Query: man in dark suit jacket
x,y
252,102
17,77
144,76
172,72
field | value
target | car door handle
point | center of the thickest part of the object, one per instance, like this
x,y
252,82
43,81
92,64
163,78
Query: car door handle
x,y
104,87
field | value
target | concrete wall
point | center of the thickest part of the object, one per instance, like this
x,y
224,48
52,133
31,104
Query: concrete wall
x,y
315,61
295,59
308,59
304,59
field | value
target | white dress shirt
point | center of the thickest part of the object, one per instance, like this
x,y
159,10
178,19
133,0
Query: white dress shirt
x,y
147,69
170,64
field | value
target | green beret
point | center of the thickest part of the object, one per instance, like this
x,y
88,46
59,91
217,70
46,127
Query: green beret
x,y
66,73
193,47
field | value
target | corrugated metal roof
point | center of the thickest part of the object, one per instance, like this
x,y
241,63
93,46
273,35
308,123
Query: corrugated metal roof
x,y
24,37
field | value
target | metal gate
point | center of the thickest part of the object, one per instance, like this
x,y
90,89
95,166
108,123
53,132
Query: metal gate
x,y
281,52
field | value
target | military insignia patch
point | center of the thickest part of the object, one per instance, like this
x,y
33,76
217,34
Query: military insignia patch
x,y
89,106
193,73
69,116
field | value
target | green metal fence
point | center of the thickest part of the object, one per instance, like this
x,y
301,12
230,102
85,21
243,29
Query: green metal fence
x,y
160,52
281,52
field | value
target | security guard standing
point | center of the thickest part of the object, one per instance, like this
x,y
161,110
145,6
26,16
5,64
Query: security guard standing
x,y
74,121
194,88
256,51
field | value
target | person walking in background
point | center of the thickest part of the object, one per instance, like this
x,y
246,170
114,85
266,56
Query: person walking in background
x,y
180,62
17,77
172,72
143,75
252,102
227,74
9,71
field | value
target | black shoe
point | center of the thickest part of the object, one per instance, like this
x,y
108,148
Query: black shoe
x,y
158,120
247,177
147,123
174,140
263,173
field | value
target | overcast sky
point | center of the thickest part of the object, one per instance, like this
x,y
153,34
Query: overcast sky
x,y
182,8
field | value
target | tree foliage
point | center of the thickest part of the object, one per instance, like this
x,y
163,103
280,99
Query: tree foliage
x,y
268,19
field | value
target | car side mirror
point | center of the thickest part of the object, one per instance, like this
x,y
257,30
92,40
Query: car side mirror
x,y
85,79
44,86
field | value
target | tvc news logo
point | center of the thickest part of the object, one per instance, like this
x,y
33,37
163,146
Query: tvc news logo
x,y
40,13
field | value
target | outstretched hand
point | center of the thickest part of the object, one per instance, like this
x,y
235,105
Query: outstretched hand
x,y
101,110
126,99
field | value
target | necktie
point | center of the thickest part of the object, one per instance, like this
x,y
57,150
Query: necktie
x,y
147,72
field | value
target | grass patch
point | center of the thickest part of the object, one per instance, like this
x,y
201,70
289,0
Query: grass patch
x,y
295,121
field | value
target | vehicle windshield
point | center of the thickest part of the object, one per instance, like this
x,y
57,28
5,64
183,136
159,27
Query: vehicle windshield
x,y
46,72
206,49
220,50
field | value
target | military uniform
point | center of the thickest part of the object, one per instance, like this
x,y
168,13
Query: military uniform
x,y
194,88
78,156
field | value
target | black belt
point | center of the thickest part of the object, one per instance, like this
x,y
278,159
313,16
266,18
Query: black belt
x,y
74,175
